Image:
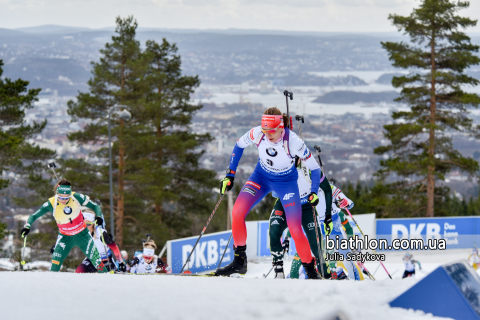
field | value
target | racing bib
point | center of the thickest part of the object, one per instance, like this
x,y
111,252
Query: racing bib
x,y
68,216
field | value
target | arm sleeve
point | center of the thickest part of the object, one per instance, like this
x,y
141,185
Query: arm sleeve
x,y
419,265
300,149
341,195
86,202
45,208
246,140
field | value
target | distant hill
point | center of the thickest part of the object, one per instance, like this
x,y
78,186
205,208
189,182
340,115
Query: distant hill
x,y
349,97
52,29
387,78
10,33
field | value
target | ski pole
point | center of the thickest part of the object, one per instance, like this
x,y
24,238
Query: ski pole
x,y
284,250
288,95
360,264
203,231
320,253
302,119
268,272
364,238
105,247
224,251
52,166
106,252
23,251
317,148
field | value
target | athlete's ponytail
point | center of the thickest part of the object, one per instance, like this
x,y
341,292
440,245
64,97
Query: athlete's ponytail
x,y
276,112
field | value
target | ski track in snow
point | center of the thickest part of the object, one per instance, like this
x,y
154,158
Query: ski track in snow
x,y
52,296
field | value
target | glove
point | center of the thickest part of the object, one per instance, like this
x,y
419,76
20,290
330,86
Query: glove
x,y
328,225
135,261
226,184
343,203
286,245
313,199
25,231
52,249
98,221
122,267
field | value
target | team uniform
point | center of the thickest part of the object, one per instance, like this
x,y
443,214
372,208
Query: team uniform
x,y
278,224
409,265
341,227
275,171
106,252
155,266
73,231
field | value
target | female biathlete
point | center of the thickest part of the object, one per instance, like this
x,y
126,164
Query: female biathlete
x,y
278,223
66,209
275,171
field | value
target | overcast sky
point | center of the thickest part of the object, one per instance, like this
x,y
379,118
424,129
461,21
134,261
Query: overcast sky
x,y
292,15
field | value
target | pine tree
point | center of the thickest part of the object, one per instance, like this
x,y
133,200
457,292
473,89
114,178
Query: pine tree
x,y
421,150
164,158
161,187
114,82
17,155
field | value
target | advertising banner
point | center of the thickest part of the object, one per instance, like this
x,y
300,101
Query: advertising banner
x,y
207,253
458,232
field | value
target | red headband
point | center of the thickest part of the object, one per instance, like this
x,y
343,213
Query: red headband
x,y
272,121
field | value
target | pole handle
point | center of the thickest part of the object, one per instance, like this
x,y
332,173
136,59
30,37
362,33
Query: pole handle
x,y
318,150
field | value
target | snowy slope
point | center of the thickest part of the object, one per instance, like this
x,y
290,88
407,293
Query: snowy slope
x,y
43,295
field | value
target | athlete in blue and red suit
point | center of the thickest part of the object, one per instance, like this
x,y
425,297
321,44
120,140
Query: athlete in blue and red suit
x,y
275,171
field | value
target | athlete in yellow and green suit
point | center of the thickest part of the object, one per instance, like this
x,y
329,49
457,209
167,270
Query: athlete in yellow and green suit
x,y
66,209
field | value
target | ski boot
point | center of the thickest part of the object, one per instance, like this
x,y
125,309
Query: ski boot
x,y
334,275
278,268
310,270
238,265
341,275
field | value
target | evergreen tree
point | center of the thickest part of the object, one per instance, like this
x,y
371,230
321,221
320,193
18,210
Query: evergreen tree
x,y
161,188
17,155
115,80
163,162
420,152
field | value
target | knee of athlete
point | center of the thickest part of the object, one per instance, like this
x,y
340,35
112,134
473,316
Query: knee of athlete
x,y
239,213
297,234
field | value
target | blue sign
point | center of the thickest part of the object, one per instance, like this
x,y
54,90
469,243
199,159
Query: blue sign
x,y
207,253
263,244
458,232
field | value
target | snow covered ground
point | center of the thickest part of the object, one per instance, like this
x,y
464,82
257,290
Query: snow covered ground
x,y
43,295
